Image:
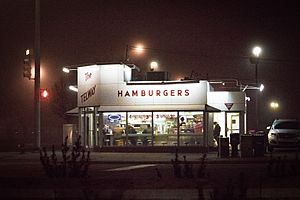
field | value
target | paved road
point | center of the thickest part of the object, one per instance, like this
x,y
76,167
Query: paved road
x,y
110,177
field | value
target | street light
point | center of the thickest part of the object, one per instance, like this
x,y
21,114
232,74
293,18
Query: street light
x,y
274,105
153,66
256,51
73,88
261,87
67,70
138,49
249,87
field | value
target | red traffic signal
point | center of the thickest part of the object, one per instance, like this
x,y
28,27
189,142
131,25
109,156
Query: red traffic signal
x,y
44,93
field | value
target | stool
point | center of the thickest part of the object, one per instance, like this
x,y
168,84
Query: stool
x,y
106,142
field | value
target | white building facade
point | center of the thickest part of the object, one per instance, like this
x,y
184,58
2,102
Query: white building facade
x,y
115,111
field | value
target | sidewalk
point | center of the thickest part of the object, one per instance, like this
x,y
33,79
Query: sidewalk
x,y
136,158
154,158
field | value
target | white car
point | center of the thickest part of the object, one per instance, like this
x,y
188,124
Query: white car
x,y
284,133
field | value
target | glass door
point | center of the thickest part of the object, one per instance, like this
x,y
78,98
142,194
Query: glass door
x,y
232,122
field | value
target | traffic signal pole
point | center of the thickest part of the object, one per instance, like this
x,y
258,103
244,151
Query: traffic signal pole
x,y
37,104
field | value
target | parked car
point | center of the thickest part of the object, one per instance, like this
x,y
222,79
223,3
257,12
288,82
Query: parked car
x,y
284,133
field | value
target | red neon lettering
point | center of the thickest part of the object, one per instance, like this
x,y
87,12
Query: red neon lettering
x,y
150,92
127,94
157,92
187,92
165,92
120,93
134,93
179,92
143,93
172,93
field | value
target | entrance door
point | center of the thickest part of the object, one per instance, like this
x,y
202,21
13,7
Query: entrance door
x,y
232,122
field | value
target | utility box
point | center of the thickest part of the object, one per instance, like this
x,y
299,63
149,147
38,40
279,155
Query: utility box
x,y
223,147
246,146
258,145
234,141
157,76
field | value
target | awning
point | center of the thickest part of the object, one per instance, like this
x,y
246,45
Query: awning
x,y
74,111
150,108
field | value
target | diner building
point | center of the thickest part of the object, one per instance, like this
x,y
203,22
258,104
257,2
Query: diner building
x,y
115,111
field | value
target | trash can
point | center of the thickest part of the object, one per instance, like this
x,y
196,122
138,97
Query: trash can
x,y
246,146
258,145
223,147
234,141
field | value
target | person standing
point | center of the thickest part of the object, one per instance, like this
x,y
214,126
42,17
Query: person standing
x,y
216,131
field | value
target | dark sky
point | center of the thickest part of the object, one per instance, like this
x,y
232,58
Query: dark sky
x,y
210,38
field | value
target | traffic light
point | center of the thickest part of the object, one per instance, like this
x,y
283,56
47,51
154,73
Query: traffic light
x,y
27,65
44,93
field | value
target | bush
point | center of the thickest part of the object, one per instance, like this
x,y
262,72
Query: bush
x,y
75,161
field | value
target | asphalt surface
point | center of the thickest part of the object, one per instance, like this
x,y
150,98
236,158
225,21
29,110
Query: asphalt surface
x,y
115,175
164,158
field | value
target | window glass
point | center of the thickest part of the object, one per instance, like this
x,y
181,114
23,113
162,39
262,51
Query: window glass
x,y
140,128
114,128
233,123
165,128
287,125
191,128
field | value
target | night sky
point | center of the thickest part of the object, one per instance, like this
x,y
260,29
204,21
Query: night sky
x,y
209,38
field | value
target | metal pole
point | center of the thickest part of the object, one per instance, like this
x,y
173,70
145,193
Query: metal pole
x,y
37,105
256,101
256,74
126,54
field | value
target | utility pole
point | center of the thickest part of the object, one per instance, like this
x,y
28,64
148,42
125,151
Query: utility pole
x,y
37,105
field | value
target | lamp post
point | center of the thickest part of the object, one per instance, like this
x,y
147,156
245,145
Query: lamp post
x,y
256,51
254,59
37,103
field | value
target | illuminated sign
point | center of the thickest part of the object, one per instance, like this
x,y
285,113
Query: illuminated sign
x,y
150,93
88,94
106,85
87,76
114,117
228,105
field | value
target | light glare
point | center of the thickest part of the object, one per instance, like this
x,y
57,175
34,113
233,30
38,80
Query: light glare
x,y
139,48
27,52
274,105
66,70
261,88
153,65
256,51
73,88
